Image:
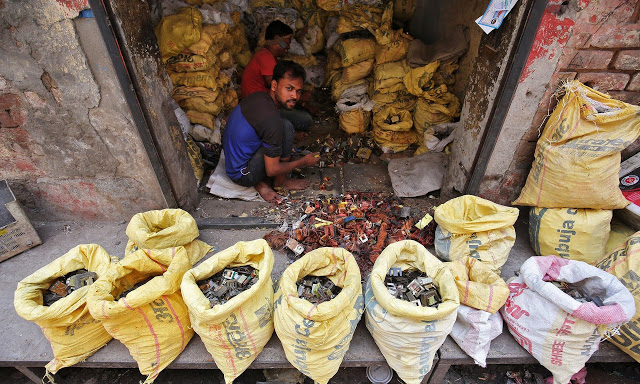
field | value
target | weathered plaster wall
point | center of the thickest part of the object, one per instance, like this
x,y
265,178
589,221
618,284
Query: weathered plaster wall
x,y
68,145
488,71
596,42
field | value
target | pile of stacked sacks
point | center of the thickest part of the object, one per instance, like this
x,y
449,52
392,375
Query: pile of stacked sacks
x,y
204,48
368,71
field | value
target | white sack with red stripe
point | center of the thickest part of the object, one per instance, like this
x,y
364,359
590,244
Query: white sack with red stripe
x,y
152,321
560,332
473,331
235,332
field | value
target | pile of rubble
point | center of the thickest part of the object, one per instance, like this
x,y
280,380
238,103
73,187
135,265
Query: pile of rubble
x,y
228,283
66,284
317,289
363,223
415,287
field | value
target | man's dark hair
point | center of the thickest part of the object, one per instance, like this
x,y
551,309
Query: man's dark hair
x,y
277,28
289,69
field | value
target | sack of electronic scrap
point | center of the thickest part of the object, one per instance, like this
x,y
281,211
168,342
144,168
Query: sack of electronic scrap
x,y
138,300
54,297
559,310
316,335
410,324
234,326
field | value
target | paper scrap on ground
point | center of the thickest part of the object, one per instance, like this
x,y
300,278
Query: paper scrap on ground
x,y
220,184
495,13
424,221
418,175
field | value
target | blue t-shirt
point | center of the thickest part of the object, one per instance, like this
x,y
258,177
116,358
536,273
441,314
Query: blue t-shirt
x,y
253,123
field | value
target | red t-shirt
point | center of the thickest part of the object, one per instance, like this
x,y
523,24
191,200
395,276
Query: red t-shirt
x,y
261,64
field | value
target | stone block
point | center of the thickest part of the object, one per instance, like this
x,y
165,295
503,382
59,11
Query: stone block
x,y
627,97
617,36
605,81
9,101
634,84
628,60
591,60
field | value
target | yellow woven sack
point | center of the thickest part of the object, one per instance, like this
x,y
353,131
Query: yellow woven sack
x,y
576,234
472,226
388,75
234,333
624,263
396,50
353,51
479,287
316,337
179,31
269,3
338,87
333,60
357,71
188,62
201,118
394,141
618,235
392,119
243,58
419,81
403,10
577,157
152,320
209,34
204,79
67,324
444,74
166,228
329,5
362,16
230,98
409,336
195,158
197,98
398,100
305,61
354,121
428,113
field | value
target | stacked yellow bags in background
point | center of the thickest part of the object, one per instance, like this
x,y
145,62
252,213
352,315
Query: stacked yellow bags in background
x,y
573,182
201,60
435,105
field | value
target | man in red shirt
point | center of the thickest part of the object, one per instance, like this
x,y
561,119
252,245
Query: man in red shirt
x,y
259,72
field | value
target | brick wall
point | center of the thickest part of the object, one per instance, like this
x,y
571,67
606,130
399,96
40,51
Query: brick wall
x,y
603,52
595,42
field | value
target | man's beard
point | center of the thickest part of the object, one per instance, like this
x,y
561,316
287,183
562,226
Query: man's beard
x,y
284,104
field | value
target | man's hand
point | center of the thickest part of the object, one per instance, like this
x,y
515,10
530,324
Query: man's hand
x,y
310,159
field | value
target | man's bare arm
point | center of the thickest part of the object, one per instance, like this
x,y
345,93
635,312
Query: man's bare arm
x,y
275,167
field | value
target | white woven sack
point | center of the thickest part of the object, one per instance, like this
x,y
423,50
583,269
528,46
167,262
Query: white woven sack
x,y
560,332
473,331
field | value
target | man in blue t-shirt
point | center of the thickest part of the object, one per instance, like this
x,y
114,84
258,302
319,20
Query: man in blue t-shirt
x,y
257,142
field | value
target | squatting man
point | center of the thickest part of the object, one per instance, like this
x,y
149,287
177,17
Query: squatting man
x,y
258,142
